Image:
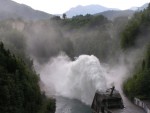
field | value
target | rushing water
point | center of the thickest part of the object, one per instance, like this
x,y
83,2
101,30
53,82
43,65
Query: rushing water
x,y
77,79
74,83
65,105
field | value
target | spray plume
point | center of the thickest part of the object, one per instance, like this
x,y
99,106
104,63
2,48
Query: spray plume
x,y
77,79
80,79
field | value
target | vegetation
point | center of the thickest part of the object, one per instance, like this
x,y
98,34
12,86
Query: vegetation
x,y
19,89
87,35
88,21
48,106
47,38
135,27
44,39
139,84
64,16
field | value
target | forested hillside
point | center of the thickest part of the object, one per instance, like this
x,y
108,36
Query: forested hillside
x,y
139,24
79,35
19,89
136,34
10,9
92,34
138,84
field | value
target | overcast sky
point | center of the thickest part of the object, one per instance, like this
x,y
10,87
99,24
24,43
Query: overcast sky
x,y
61,6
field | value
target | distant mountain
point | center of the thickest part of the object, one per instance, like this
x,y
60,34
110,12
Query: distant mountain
x,y
89,9
143,7
133,8
139,8
11,9
111,15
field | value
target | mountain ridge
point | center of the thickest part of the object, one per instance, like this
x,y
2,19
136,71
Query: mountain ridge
x,y
97,9
112,14
139,8
11,9
88,9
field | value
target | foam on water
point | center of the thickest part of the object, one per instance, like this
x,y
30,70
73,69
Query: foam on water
x,y
77,79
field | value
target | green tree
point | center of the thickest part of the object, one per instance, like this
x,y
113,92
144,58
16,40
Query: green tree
x,y
139,84
19,89
133,28
64,16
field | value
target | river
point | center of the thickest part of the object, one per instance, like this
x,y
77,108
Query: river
x,y
65,105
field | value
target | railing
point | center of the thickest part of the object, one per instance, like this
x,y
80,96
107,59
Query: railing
x,y
141,104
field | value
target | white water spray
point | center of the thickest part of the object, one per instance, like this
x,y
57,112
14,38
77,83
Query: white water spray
x,y
77,79
80,79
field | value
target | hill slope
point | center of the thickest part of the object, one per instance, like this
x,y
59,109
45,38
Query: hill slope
x,y
19,89
10,9
136,35
111,15
139,8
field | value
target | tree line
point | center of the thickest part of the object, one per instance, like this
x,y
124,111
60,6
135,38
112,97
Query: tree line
x,y
138,85
19,89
